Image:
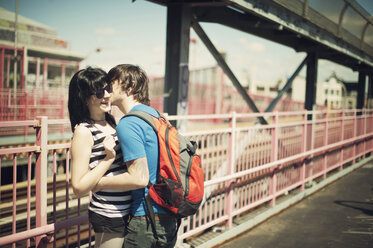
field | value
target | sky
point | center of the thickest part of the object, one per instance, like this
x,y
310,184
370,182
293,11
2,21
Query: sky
x,y
135,32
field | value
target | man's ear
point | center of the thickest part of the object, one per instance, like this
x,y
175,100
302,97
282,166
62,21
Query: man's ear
x,y
129,91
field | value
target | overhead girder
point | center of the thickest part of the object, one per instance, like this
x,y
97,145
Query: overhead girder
x,y
267,29
302,37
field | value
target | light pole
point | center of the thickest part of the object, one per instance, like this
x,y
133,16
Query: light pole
x,y
15,51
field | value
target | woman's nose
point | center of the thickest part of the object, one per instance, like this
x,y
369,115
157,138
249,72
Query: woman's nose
x,y
107,94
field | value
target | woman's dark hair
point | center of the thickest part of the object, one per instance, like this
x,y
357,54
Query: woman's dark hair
x,y
83,84
134,78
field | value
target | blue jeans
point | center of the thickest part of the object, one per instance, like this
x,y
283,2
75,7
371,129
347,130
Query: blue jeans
x,y
140,233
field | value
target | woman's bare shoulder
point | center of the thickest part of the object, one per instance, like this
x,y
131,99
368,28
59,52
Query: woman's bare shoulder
x,y
82,132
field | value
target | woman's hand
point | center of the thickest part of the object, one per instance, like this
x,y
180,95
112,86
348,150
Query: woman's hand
x,y
109,145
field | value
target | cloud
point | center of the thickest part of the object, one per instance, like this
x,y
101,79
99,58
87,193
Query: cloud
x,y
159,49
252,46
106,34
109,31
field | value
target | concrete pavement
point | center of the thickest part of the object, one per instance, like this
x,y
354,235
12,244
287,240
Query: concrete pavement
x,y
338,216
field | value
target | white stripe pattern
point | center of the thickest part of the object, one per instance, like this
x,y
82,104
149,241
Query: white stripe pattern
x,y
110,203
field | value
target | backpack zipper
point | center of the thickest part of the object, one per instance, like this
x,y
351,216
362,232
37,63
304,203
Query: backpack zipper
x,y
169,153
186,177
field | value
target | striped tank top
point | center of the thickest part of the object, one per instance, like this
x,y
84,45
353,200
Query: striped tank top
x,y
110,203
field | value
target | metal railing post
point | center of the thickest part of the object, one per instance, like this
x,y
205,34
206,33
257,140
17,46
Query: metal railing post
x,y
355,133
365,130
230,170
41,176
274,156
14,225
326,133
304,149
341,139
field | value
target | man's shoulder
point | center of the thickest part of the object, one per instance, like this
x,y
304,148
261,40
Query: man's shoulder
x,y
136,123
131,121
147,109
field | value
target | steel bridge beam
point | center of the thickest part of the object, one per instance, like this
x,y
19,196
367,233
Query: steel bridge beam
x,y
370,91
177,59
311,79
220,60
360,98
289,82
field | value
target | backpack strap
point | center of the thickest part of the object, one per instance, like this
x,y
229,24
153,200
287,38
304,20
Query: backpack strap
x,y
151,214
148,119
144,116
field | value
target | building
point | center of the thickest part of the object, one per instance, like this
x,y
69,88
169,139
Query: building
x,y
36,66
331,93
350,95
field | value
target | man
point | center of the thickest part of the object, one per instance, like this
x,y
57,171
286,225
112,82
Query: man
x,y
139,144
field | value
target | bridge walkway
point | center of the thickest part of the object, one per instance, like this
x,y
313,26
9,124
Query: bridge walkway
x,y
337,216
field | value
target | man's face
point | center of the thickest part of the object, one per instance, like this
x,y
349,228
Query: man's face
x,y
115,97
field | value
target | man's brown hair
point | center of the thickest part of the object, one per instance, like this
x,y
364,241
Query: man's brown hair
x,y
133,80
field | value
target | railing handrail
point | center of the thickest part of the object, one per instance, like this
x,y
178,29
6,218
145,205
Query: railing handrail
x,y
231,129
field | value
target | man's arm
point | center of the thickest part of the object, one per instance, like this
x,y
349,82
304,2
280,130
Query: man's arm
x,y
137,177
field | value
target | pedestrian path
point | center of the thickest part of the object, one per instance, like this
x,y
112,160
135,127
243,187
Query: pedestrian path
x,y
339,215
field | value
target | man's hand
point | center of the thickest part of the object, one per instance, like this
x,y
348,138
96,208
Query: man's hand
x,y
109,144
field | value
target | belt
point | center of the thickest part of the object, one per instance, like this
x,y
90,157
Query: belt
x,y
156,217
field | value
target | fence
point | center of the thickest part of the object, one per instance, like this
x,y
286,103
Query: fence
x,y
246,165
24,105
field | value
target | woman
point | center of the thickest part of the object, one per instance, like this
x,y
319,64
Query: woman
x,y
95,153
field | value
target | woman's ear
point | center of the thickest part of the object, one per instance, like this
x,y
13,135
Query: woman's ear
x,y
88,101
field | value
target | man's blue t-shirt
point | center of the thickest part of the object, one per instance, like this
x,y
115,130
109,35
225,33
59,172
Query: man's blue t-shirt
x,y
138,140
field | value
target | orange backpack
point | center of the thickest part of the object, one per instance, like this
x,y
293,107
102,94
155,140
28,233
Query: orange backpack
x,y
180,182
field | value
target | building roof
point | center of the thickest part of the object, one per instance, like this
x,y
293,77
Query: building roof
x,y
39,39
8,19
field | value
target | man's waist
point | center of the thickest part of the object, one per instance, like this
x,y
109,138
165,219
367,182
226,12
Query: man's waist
x,y
156,217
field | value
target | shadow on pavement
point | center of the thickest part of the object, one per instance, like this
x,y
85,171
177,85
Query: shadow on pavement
x,y
362,206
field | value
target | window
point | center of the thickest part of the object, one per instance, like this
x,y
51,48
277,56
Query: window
x,y
273,89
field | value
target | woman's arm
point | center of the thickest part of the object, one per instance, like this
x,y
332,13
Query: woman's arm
x,y
82,179
137,177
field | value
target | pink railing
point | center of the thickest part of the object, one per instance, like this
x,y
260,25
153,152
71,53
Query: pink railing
x,y
26,104
210,93
246,165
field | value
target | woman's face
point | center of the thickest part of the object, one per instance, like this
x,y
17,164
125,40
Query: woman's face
x,y
99,103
